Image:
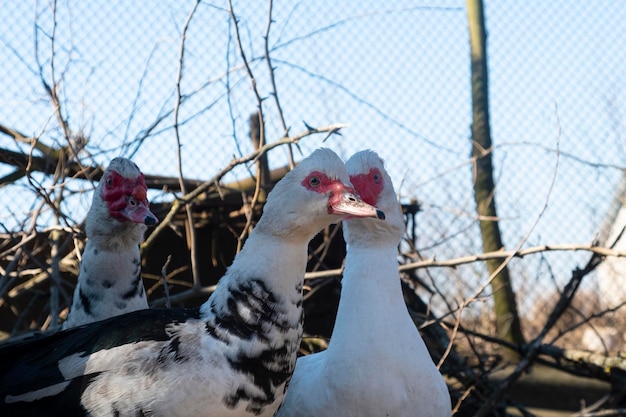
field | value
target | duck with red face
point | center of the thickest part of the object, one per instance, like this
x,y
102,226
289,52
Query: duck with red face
x,y
376,363
231,357
109,283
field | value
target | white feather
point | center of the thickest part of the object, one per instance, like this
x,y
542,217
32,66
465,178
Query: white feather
x,y
376,363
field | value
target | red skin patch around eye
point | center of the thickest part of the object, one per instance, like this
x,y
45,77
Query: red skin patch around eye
x,y
117,189
369,185
325,184
342,199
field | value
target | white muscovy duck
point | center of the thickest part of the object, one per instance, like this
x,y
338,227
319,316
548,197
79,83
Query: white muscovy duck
x,y
109,282
231,357
376,363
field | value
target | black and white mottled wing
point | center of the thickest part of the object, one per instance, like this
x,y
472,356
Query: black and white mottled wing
x,y
33,369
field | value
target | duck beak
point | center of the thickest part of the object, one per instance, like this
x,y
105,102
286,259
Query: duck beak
x,y
350,204
138,208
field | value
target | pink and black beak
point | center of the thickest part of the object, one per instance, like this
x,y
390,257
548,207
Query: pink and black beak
x,y
127,198
345,201
137,208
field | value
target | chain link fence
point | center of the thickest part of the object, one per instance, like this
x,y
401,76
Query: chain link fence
x,y
144,79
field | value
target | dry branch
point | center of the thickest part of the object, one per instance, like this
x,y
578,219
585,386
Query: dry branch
x,y
502,254
604,365
261,126
531,351
47,165
270,67
214,182
189,227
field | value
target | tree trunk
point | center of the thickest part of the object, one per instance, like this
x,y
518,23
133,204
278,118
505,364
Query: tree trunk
x,y
507,320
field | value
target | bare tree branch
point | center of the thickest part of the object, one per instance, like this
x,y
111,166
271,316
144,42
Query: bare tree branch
x,y
532,350
261,124
189,225
451,263
273,79
214,182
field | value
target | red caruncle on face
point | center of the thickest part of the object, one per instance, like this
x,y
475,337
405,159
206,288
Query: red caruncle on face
x,y
369,185
120,192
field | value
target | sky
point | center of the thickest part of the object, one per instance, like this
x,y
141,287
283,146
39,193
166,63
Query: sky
x,y
396,72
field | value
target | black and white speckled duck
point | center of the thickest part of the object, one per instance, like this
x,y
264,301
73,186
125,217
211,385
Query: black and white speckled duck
x,y
231,357
376,363
109,283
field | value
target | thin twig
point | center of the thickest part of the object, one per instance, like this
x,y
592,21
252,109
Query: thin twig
x,y
166,287
506,261
532,349
452,263
274,93
261,140
189,225
587,320
213,182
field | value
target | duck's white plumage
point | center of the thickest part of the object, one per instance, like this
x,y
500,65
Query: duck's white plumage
x,y
376,363
232,357
109,282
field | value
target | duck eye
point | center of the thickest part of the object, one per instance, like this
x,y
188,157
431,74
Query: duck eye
x,y
376,178
109,182
314,182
